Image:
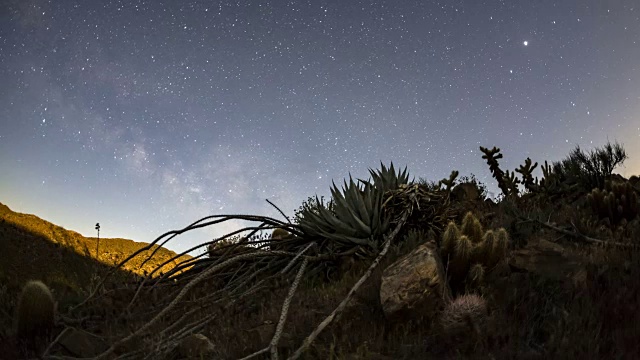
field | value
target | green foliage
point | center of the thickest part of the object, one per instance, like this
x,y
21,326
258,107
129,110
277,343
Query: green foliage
x,y
313,206
579,172
586,171
280,233
413,239
429,184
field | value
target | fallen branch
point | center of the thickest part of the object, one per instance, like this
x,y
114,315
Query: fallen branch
x,y
204,222
176,300
285,308
307,342
273,344
585,238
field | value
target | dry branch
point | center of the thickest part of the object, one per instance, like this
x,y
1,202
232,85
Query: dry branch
x,y
585,238
176,300
307,342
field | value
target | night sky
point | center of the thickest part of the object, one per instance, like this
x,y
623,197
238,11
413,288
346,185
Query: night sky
x,y
146,116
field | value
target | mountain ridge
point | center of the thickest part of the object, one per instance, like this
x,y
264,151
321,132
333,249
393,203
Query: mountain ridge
x,y
29,238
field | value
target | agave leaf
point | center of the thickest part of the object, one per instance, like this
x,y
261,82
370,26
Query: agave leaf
x,y
325,220
345,221
341,207
343,239
358,216
345,212
340,226
363,228
360,205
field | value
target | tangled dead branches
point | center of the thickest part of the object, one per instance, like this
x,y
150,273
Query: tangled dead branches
x,y
239,275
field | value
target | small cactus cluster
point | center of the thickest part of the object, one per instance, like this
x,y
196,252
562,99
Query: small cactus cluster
x,y
617,203
35,313
469,252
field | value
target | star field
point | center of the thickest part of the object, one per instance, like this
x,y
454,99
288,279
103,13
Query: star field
x,y
146,116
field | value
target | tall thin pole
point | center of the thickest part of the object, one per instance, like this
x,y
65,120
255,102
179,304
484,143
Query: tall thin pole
x,y
98,242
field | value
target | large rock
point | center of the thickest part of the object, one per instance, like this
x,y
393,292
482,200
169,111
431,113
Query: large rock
x,y
413,286
465,192
546,259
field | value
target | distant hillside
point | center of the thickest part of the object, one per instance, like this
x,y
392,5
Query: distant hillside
x,y
32,248
35,248
18,232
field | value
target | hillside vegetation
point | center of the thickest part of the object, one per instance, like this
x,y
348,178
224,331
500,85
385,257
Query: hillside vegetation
x,y
388,268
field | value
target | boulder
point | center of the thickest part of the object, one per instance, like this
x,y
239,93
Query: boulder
x,y
413,287
465,192
546,259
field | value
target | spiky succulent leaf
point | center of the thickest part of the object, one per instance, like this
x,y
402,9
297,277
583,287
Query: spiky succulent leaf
x,y
326,221
346,212
356,200
358,214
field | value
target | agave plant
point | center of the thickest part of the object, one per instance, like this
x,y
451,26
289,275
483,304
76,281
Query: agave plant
x,y
359,217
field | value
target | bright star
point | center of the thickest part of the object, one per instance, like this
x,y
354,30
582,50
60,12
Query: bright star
x,y
525,43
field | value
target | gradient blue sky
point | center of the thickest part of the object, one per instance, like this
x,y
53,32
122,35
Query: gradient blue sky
x,y
146,116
